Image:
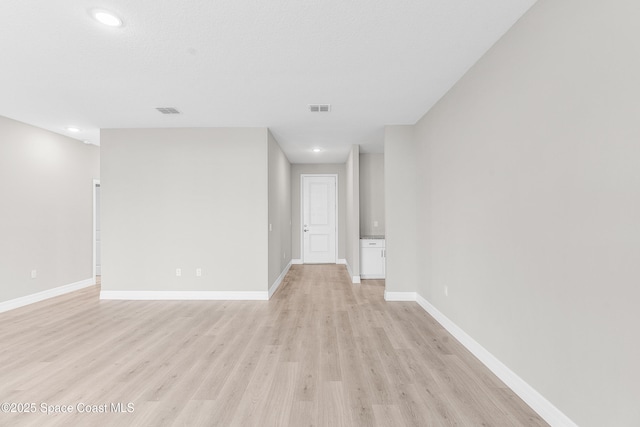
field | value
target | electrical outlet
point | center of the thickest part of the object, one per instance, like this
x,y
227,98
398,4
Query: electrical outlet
x,y
178,272
270,227
198,272
34,274
446,291
284,255
375,223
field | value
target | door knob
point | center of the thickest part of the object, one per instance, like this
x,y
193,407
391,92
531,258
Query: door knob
x,y
305,229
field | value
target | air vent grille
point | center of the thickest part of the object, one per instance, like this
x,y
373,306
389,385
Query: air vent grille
x,y
168,110
320,108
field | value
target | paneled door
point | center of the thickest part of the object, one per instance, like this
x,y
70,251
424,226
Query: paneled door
x,y
319,219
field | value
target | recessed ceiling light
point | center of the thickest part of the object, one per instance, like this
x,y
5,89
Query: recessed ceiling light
x,y
107,18
317,150
87,141
73,129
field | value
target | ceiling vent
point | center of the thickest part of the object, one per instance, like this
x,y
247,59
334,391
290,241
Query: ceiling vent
x,y
320,108
167,110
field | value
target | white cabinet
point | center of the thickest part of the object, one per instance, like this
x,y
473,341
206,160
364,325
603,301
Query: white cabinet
x,y
372,259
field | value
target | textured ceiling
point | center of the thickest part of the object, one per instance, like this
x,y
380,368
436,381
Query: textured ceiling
x,y
243,63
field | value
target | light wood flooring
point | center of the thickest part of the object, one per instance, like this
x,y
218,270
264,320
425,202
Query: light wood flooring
x,y
321,352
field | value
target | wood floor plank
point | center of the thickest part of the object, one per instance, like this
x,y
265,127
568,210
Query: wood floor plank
x,y
302,414
333,405
321,352
281,395
254,400
414,410
386,415
194,413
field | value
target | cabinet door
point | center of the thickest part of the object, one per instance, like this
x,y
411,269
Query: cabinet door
x,y
372,262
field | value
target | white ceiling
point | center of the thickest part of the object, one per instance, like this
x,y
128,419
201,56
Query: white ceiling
x,y
243,63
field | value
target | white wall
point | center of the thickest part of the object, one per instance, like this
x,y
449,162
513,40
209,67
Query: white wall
x,y
401,186
352,242
185,198
279,210
372,195
300,169
46,209
530,195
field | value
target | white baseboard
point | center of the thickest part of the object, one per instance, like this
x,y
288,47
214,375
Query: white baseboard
x,y
354,279
41,296
296,261
535,400
399,296
186,295
274,287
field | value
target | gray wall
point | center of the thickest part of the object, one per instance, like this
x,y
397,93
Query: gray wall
x,y
401,188
187,198
530,195
352,243
279,210
46,212
371,194
296,171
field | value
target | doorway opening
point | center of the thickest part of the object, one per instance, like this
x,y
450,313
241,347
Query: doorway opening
x,y
97,263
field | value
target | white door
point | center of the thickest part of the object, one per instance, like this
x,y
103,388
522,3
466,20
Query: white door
x,y
319,219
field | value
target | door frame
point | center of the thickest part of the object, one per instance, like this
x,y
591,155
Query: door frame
x,y
96,185
317,175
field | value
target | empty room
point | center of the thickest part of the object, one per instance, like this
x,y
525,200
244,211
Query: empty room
x,y
320,213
